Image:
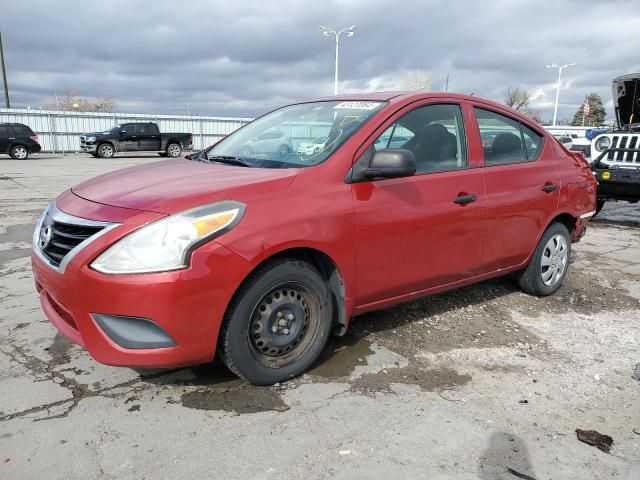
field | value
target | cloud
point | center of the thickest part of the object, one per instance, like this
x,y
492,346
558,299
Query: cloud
x,y
243,58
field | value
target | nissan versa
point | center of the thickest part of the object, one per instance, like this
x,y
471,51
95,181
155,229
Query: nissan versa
x,y
261,256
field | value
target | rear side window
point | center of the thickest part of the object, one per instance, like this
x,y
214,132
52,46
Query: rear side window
x,y
22,131
4,131
506,140
143,128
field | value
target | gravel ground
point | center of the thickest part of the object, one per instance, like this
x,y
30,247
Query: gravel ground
x,y
483,382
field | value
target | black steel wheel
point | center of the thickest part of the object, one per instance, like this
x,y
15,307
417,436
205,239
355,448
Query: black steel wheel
x,y
278,322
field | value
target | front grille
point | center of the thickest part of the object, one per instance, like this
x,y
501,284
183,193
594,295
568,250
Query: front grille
x,y
64,238
59,236
631,142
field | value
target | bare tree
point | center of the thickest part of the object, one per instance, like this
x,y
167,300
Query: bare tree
x,y
517,99
73,102
418,80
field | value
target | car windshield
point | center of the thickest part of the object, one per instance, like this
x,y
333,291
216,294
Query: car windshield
x,y
281,138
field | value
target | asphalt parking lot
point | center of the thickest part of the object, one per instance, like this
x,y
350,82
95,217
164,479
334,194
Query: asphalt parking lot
x,y
483,382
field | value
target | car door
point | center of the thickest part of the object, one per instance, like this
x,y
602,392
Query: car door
x,y
128,138
522,188
148,137
426,230
5,133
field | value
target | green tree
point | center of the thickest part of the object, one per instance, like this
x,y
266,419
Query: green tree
x,y
596,113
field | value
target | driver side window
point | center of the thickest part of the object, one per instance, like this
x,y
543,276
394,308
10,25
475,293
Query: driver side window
x,y
435,135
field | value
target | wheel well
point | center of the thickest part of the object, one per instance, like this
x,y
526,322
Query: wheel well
x,y
106,141
329,271
567,220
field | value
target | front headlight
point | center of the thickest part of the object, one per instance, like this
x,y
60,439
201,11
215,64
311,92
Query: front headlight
x,y
91,139
603,143
167,243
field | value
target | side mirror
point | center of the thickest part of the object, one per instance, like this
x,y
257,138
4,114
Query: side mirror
x,y
391,164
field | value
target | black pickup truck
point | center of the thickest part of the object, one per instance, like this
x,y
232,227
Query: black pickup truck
x,y
135,137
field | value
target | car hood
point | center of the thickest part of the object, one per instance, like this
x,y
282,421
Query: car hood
x,y
171,186
626,99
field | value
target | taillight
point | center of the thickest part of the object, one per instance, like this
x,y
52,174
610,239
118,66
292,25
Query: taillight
x,y
34,138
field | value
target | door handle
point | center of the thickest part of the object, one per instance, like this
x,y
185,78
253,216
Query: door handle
x,y
462,199
550,187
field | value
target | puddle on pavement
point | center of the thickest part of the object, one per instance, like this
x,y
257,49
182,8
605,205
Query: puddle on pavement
x,y
14,234
428,379
242,400
59,349
341,356
18,233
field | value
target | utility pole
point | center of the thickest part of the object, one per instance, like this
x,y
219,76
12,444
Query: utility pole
x,y
4,75
446,85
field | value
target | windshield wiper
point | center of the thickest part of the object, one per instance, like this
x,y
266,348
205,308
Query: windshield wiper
x,y
229,160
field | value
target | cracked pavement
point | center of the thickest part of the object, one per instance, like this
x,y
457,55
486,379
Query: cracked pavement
x,y
483,382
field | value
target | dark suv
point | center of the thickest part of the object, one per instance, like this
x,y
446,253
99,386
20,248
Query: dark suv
x,y
18,140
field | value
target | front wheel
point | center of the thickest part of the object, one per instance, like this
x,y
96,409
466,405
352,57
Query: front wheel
x,y
174,150
549,263
278,323
20,152
106,150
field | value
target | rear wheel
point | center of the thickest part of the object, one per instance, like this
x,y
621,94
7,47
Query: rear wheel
x,y
549,264
20,152
174,150
106,150
278,322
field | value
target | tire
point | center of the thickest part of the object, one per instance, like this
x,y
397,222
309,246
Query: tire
x,y
106,150
554,249
599,205
174,150
278,322
20,152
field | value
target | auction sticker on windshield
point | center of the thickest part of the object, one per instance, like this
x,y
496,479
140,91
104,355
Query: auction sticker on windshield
x,y
357,105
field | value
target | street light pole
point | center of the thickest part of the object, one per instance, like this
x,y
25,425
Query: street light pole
x,y
560,69
4,76
327,32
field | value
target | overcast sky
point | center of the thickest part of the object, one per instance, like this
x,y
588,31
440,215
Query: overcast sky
x,y
244,57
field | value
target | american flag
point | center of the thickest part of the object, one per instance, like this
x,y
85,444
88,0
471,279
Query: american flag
x,y
586,108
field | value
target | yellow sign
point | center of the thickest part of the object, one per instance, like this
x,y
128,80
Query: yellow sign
x,y
606,175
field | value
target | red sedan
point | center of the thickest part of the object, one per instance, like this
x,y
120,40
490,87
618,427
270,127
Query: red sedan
x,y
261,256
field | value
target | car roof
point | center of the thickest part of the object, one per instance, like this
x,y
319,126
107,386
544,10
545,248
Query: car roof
x,y
402,96
406,97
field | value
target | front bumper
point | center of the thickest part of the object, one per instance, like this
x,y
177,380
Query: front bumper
x,y
88,147
618,183
187,306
